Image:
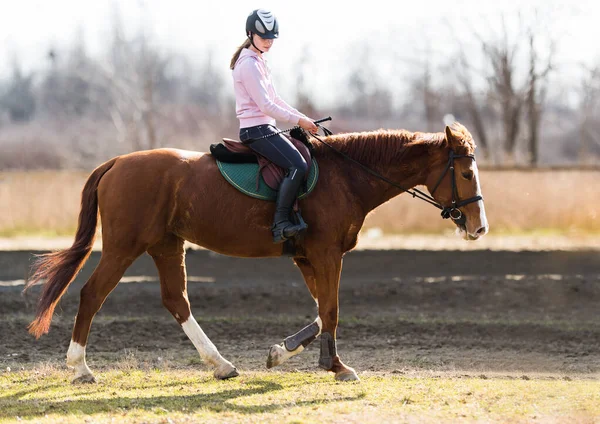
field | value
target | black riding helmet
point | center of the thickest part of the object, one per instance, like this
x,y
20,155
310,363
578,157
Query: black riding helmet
x,y
262,23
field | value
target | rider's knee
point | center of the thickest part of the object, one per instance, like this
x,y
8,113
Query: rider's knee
x,y
299,170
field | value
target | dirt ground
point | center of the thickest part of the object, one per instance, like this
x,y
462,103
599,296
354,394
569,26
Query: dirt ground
x,y
484,312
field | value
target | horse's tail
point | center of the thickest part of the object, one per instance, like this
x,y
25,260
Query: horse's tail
x,y
60,268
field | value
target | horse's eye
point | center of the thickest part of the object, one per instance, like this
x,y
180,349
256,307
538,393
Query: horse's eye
x,y
468,175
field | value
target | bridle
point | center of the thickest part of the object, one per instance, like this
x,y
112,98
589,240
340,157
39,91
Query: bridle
x,y
452,211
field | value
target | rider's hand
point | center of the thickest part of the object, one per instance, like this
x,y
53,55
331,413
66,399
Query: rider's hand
x,y
308,125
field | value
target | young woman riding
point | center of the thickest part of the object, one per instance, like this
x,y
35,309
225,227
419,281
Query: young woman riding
x,y
258,106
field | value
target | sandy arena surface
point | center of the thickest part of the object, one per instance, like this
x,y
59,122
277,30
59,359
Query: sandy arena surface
x,y
501,307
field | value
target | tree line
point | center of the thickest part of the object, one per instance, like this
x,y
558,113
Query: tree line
x,y
76,110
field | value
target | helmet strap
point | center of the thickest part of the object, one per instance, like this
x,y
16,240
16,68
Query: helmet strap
x,y
252,42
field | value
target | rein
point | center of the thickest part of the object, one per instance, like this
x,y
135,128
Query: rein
x,y
451,211
252,140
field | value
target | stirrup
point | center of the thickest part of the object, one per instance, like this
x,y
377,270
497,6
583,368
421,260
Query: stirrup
x,y
292,230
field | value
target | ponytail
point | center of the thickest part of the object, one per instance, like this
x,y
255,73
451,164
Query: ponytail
x,y
236,55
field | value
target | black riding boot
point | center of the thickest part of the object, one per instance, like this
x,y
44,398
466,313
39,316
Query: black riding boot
x,y
283,228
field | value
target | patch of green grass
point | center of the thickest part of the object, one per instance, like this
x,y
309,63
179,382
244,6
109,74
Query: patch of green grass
x,y
190,396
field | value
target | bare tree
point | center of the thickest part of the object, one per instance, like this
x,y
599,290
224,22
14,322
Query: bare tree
x,y
501,55
207,90
18,98
589,125
428,95
357,91
464,73
304,103
516,92
366,98
478,94
536,94
131,74
64,90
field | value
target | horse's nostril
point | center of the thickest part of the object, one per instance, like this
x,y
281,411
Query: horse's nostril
x,y
481,231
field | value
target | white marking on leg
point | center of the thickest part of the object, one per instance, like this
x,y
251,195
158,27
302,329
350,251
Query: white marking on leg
x,y
207,350
320,324
278,354
76,359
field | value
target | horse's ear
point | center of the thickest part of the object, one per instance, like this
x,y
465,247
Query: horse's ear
x,y
452,140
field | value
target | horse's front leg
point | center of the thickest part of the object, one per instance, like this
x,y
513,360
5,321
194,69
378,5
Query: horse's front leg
x,y
322,277
327,266
296,343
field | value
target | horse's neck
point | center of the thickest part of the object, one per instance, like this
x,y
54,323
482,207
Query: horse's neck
x,y
405,177
407,167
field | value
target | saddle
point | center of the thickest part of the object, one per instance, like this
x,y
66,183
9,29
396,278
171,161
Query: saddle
x,y
256,176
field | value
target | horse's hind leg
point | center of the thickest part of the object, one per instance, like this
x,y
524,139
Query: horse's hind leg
x,y
169,257
104,279
296,343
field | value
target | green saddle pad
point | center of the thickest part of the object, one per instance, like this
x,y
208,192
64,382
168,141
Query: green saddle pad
x,y
243,177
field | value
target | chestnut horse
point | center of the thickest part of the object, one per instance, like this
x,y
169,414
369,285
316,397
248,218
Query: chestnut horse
x,y
151,201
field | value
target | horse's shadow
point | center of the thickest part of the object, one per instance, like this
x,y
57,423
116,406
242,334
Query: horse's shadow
x,y
219,401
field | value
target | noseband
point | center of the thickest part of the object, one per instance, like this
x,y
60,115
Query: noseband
x,y
453,210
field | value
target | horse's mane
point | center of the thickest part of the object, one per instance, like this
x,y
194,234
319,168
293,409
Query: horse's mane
x,y
386,146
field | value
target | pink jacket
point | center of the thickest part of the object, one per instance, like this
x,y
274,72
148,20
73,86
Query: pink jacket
x,y
256,101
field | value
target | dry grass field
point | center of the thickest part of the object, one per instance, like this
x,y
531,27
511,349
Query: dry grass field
x,y
534,202
546,201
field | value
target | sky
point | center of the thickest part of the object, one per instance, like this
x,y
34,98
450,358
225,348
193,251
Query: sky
x,y
335,34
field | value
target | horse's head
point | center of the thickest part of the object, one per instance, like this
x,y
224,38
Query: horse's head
x,y
454,182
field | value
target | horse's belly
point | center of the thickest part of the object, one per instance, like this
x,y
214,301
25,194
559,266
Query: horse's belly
x,y
233,240
216,216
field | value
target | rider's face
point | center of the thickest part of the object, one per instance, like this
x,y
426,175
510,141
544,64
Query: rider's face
x,y
263,44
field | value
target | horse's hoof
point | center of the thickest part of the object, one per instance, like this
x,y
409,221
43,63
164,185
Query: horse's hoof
x,y
229,372
347,375
276,356
84,379
232,374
